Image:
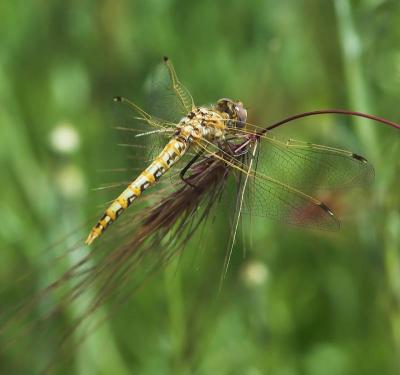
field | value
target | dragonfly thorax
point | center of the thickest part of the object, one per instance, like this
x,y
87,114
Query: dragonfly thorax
x,y
202,123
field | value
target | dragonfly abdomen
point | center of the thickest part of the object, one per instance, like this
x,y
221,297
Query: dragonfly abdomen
x,y
171,153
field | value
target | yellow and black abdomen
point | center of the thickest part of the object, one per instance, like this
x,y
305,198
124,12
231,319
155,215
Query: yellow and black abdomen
x,y
171,153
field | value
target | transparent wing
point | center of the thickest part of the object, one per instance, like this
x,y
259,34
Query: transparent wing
x,y
168,98
310,166
268,197
287,169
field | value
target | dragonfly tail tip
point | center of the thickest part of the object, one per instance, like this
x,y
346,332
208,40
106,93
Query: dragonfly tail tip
x,y
90,238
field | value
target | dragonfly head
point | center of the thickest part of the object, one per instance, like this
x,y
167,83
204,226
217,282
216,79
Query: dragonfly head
x,y
235,110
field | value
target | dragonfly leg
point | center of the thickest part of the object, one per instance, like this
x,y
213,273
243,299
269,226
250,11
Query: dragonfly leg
x,y
244,149
184,170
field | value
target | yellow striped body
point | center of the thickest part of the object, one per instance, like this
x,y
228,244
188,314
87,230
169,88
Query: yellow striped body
x,y
201,123
171,153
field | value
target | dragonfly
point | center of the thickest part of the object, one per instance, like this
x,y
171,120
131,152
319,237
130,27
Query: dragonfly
x,y
201,148
278,175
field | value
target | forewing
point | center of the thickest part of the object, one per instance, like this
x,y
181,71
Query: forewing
x,y
167,97
309,166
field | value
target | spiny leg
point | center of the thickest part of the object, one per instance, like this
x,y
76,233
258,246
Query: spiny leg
x,y
191,162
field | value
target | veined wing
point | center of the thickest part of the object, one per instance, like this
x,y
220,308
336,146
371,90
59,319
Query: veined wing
x,y
169,99
266,196
309,166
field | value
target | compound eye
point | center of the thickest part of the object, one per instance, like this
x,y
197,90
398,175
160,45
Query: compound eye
x,y
241,116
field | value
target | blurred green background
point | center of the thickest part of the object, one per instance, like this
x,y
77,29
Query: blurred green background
x,y
299,301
